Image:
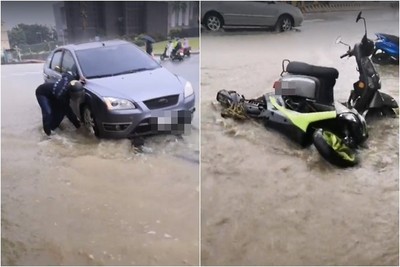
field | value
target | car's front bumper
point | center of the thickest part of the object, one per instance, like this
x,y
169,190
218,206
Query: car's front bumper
x,y
143,121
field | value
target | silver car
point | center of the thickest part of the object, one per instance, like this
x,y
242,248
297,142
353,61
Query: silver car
x,y
127,93
281,16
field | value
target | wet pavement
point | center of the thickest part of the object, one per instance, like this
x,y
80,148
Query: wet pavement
x,y
74,200
266,201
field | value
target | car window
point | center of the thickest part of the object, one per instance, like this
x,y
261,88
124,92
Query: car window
x,y
68,63
113,60
56,61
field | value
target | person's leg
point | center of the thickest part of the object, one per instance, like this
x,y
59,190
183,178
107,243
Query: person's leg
x,y
58,116
45,106
43,93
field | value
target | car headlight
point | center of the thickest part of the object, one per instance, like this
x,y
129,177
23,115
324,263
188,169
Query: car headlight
x,y
118,103
188,90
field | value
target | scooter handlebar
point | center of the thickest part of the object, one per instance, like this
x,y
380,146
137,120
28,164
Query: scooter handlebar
x,y
342,56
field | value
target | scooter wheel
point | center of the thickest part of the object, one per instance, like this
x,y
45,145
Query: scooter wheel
x,y
333,149
381,59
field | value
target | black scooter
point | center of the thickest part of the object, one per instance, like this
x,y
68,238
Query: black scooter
x,y
366,97
178,52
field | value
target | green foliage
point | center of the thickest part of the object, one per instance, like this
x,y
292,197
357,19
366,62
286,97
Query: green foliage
x,y
31,34
175,33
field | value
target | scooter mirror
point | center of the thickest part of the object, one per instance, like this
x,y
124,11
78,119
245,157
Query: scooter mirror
x,y
359,16
338,40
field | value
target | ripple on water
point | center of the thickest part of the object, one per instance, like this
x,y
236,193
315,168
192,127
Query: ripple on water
x,y
72,143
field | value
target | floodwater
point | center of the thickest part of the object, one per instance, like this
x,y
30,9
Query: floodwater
x,y
265,200
72,199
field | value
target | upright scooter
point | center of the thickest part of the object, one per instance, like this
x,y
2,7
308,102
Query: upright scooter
x,y
386,49
366,96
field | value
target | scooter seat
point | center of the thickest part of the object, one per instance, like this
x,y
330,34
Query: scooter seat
x,y
302,68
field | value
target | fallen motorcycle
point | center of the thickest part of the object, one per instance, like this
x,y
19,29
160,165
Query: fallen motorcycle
x,y
303,109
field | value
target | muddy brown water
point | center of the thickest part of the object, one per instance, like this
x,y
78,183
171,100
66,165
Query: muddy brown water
x,y
74,200
266,201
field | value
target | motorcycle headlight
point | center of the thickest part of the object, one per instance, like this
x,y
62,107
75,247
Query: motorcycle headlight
x,y
188,90
118,103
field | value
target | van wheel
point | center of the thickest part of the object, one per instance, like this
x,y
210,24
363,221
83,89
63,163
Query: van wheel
x,y
89,120
333,149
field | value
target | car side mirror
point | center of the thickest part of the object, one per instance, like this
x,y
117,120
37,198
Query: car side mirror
x,y
58,69
338,40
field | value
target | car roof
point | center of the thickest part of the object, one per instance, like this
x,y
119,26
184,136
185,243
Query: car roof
x,y
83,46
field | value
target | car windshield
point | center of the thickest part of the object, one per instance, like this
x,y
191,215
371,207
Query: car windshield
x,y
114,60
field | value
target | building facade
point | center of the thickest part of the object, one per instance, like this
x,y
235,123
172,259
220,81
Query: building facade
x,y
82,21
5,44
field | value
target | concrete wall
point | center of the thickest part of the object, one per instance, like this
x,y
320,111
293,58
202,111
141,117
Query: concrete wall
x,y
134,14
156,18
5,44
61,21
113,21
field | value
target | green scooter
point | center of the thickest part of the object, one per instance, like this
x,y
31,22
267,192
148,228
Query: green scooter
x,y
302,107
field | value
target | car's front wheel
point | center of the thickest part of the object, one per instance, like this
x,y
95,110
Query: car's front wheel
x,y
89,120
284,23
213,22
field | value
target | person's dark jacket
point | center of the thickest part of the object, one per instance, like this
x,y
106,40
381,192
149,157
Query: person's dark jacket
x,y
54,100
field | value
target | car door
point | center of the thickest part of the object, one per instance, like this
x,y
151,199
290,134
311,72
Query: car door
x,y
69,64
248,13
53,70
270,12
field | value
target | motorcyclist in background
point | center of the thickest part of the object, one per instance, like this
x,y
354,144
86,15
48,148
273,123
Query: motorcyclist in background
x,y
176,45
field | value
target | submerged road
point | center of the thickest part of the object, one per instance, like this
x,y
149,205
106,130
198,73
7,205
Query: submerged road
x,y
266,201
76,200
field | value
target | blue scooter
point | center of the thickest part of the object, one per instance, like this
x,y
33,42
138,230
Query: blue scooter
x,y
386,49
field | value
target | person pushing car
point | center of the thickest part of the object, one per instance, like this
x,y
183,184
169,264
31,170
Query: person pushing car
x,y
53,99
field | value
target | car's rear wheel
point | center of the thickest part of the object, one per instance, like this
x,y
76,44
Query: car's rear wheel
x,y
89,120
213,22
284,23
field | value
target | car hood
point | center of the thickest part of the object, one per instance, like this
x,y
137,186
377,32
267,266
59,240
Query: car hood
x,y
139,86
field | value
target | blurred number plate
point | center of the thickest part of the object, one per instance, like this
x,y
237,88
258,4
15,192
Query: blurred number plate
x,y
164,120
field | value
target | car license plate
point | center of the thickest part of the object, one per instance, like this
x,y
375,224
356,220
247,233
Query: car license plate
x,y
172,121
164,120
